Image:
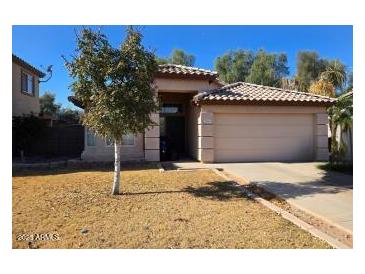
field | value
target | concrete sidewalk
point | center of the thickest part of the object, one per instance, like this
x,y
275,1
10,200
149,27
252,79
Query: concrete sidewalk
x,y
327,195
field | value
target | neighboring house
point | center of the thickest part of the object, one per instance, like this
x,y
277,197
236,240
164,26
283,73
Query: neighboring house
x,y
209,122
25,87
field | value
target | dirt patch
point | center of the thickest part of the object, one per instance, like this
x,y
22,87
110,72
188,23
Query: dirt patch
x,y
194,209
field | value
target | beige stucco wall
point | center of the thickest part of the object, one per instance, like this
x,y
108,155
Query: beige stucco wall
x,y
148,144
24,103
103,153
208,142
347,138
183,85
170,85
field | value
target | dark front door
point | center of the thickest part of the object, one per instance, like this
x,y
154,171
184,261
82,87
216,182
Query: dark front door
x,y
175,131
172,137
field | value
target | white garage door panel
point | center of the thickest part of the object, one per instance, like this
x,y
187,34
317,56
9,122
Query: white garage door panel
x,y
263,137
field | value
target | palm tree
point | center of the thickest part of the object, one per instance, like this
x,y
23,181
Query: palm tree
x,y
341,115
322,87
335,73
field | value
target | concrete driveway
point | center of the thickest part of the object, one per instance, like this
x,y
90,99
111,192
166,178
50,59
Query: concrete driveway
x,y
327,195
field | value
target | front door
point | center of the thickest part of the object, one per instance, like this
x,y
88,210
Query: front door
x,y
172,136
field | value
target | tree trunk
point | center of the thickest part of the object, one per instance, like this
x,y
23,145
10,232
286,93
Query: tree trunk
x,y
116,183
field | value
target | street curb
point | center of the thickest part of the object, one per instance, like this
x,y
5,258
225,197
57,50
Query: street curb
x,y
288,216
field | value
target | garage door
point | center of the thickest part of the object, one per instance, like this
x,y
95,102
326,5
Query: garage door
x,y
263,137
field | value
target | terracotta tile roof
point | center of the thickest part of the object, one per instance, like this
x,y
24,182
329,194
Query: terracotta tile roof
x,y
28,66
246,93
184,71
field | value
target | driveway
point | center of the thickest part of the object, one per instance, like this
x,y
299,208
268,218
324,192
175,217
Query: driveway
x,y
327,195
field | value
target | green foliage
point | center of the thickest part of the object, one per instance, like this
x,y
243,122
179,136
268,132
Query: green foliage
x,y
114,85
70,115
335,73
48,105
162,61
309,68
234,66
341,114
260,68
26,129
268,69
178,57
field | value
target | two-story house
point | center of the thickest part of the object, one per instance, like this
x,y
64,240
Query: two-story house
x,y
25,87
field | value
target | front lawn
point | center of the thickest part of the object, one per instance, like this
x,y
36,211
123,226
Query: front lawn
x,y
196,209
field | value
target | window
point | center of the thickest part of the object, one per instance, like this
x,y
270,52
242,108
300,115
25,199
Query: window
x,y
27,83
127,140
90,138
171,108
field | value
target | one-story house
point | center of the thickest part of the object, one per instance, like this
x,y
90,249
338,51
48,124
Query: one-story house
x,y
204,119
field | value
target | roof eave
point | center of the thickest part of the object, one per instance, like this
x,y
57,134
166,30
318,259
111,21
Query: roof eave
x,y
265,103
28,66
74,101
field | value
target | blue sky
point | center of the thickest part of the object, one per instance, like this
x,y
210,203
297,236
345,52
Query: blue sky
x,y
44,45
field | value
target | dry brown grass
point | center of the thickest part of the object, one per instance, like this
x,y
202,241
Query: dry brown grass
x,y
158,210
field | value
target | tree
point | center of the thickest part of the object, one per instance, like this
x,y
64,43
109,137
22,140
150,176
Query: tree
x,y
341,114
162,61
234,66
69,115
335,73
322,87
309,68
350,80
268,69
115,86
48,105
331,79
178,57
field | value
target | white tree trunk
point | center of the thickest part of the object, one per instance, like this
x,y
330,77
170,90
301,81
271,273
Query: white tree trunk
x,y
116,182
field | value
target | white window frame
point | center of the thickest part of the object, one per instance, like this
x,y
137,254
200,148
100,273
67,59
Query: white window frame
x,y
134,141
31,78
88,133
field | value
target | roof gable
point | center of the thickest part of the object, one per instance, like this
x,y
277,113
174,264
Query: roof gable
x,y
28,66
246,93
